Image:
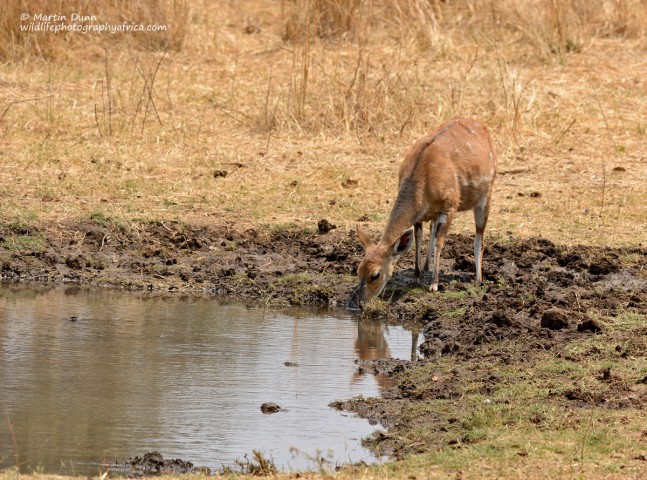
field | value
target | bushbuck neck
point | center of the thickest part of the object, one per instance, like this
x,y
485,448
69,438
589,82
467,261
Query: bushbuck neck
x,y
448,171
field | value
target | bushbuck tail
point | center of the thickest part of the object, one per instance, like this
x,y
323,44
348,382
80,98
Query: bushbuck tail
x,y
448,171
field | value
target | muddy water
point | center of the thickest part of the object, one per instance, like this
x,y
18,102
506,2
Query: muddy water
x,y
90,378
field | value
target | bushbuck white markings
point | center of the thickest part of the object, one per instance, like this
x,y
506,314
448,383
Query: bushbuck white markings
x,y
448,171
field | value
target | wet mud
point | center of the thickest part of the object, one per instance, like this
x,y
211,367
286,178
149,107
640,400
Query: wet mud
x,y
153,463
279,268
537,296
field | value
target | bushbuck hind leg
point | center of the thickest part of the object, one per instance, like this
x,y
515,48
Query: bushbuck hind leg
x,y
481,213
417,233
432,244
442,227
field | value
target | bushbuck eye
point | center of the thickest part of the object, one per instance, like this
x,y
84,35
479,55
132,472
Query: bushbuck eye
x,y
375,276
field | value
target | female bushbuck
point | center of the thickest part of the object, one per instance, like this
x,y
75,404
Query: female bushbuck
x,y
449,171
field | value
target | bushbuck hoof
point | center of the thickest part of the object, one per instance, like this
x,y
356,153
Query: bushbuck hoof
x,y
433,287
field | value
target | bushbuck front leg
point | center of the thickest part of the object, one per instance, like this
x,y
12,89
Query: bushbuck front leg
x,y
417,233
442,226
481,213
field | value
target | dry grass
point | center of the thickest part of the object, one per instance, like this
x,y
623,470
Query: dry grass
x,y
296,99
18,41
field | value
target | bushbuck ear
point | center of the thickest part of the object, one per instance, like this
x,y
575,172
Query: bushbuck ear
x,y
404,243
363,237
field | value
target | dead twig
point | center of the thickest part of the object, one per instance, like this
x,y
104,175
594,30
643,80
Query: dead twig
x,y
559,139
146,97
151,87
16,102
613,143
229,113
109,97
514,171
13,440
106,236
96,119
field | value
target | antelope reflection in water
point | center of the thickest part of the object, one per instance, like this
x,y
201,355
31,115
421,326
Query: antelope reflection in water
x,y
371,344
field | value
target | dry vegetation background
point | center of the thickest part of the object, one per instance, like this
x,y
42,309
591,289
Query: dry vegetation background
x,y
275,113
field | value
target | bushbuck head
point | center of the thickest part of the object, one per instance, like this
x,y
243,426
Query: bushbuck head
x,y
377,265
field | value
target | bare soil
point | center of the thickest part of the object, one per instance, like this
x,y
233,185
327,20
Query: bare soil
x,y
537,295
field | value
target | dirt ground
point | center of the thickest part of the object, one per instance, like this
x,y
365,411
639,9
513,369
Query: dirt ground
x,y
523,278
537,296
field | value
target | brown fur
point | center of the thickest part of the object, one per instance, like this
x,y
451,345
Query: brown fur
x,y
448,171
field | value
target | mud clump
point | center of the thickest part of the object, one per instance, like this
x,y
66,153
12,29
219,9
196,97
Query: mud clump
x,y
554,319
153,463
270,407
324,226
589,325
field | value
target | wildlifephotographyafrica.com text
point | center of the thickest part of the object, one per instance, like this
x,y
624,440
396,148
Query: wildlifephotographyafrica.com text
x,y
75,22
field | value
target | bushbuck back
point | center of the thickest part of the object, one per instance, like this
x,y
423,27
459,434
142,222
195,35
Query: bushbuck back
x,y
448,171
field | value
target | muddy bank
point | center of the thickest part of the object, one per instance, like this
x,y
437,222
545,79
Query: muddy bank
x,y
537,297
153,463
297,267
281,267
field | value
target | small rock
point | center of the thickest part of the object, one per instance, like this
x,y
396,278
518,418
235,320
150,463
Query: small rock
x,y
220,173
291,364
270,407
554,319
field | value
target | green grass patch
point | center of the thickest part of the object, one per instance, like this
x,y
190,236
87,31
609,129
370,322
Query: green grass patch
x,y
455,291
299,278
100,218
377,308
25,243
302,289
567,411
